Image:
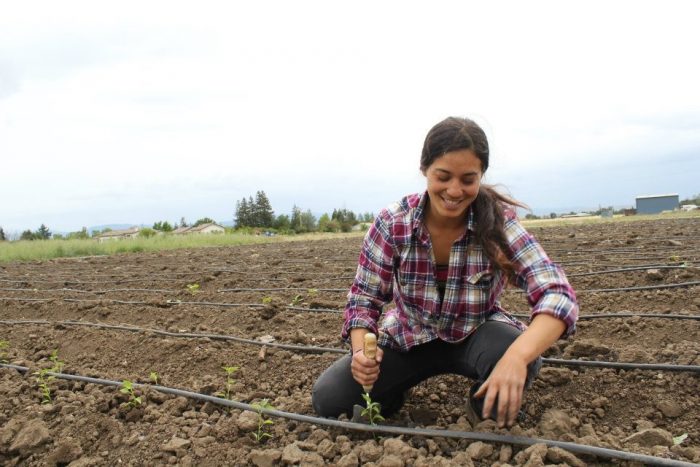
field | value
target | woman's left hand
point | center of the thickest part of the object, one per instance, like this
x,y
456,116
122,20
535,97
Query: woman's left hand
x,y
506,382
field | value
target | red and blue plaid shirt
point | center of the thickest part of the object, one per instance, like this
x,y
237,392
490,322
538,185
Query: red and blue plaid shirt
x,y
396,264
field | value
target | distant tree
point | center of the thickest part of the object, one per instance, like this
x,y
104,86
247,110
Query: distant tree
x,y
95,233
243,214
531,216
203,220
81,234
324,223
307,221
27,235
368,217
146,232
183,222
163,226
552,215
2,235
282,222
57,236
43,232
345,218
262,210
295,220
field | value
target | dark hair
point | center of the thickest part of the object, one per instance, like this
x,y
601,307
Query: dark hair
x,y
453,134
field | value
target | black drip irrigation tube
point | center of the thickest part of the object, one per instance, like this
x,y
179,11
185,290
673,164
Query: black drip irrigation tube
x,y
315,349
634,268
630,289
386,429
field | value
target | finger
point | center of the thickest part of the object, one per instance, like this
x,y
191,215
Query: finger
x,y
503,403
489,400
380,354
482,390
515,403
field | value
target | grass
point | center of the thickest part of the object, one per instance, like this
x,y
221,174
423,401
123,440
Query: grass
x,y
24,250
570,221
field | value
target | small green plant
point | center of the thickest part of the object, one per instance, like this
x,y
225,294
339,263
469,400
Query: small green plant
x,y
372,411
261,435
312,292
230,370
4,345
44,378
153,376
193,288
297,300
267,300
679,439
128,388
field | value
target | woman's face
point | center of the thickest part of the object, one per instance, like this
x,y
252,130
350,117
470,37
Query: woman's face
x,y
453,183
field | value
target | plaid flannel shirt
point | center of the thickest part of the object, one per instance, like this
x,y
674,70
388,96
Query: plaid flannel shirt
x,y
396,264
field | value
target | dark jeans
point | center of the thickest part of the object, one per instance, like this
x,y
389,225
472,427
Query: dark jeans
x,y
336,391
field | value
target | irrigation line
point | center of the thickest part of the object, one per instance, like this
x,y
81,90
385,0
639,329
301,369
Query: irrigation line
x,y
630,289
637,268
392,430
281,289
315,349
622,315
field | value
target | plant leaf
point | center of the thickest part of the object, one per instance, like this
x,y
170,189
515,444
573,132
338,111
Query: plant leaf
x,y
679,439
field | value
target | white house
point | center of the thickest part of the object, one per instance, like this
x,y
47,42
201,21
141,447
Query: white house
x,y
131,232
200,229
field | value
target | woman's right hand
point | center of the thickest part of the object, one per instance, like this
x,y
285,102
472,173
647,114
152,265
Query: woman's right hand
x,y
364,370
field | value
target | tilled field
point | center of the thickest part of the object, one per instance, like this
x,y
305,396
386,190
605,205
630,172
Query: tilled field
x,y
174,313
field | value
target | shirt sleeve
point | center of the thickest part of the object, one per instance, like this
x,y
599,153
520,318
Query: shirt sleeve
x,y
547,288
372,287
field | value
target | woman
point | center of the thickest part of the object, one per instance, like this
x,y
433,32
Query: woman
x,y
444,257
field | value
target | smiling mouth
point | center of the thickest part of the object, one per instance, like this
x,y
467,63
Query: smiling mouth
x,y
451,204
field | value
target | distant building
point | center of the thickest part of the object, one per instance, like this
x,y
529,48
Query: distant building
x,y
200,229
655,204
118,234
689,207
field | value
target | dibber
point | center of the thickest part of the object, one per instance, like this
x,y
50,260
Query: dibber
x,y
370,351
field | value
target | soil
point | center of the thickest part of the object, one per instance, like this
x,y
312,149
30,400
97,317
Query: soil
x,y
85,424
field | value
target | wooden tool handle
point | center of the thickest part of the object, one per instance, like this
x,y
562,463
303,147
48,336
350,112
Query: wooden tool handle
x,y
370,351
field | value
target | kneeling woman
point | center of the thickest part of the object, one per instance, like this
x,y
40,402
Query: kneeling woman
x,y
445,257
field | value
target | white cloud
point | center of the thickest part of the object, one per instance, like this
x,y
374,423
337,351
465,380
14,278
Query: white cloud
x,y
140,111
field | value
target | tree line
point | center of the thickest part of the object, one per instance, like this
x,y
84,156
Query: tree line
x,y
252,214
256,212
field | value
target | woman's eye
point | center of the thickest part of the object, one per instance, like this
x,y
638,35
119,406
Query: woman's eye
x,y
443,179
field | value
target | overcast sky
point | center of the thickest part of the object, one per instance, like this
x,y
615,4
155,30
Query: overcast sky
x,y
134,112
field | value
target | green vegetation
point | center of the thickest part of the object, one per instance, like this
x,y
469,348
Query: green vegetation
x,y
261,435
267,300
193,288
372,411
153,376
229,370
4,345
297,300
44,378
128,388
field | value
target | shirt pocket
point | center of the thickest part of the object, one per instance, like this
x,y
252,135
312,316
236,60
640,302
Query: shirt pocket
x,y
482,279
477,291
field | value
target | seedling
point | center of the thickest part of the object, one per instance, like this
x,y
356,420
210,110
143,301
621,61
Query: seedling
x,y
128,388
230,370
4,345
372,411
193,288
261,435
296,300
313,292
153,376
679,439
44,378
267,300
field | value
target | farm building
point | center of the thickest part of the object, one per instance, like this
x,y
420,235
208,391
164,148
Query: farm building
x,y
200,229
118,234
654,204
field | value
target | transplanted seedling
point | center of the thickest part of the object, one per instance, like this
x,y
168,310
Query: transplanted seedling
x,y
230,370
267,300
261,435
44,378
297,300
153,376
372,410
128,388
193,288
4,345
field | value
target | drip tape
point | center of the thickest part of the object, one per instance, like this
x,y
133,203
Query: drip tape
x,y
315,349
392,430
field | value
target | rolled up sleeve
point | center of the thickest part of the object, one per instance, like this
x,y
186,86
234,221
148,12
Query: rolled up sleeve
x,y
372,287
547,288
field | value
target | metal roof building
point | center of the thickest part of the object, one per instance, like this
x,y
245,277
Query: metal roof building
x,y
654,204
